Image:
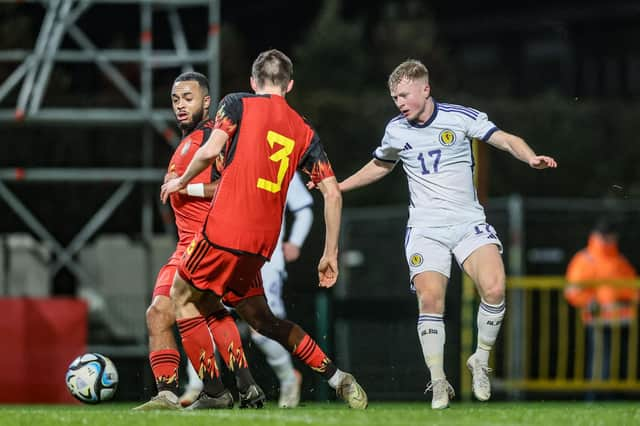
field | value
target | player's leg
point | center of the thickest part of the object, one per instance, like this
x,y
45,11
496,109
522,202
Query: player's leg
x,y
193,388
229,345
198,344
278,358
256,312
430,289
208,270
429,260
486,269
163,351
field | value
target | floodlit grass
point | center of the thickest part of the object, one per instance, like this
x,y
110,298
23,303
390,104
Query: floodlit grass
x,y
378,414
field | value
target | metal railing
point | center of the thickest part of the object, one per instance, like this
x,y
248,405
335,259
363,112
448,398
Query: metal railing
x,y
553,344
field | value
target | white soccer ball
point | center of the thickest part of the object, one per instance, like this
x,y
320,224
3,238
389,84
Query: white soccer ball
x,y
92,378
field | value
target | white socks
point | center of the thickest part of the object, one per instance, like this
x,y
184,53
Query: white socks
x,y
432,337
277,357
489,321
194,381
337,377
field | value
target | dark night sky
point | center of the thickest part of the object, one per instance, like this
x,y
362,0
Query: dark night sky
x,y
285,23
271,24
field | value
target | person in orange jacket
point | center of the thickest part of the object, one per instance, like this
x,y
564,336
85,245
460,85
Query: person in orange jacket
x,y
602,304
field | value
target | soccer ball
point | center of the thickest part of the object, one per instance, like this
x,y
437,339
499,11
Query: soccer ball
x,y
92,378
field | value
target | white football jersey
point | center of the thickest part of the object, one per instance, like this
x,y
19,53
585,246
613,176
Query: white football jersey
x,y
438,159
298,198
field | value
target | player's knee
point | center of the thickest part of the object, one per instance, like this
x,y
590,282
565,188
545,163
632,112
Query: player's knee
x,y
430,303
264,323
160,316
493,288
261,326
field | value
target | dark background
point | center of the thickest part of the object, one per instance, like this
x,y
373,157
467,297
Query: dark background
x,y
565,75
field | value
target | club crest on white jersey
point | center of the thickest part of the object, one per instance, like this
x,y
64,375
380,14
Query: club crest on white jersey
x,y
437,158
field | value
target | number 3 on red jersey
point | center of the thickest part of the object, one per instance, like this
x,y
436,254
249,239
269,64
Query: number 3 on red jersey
x,y
281,156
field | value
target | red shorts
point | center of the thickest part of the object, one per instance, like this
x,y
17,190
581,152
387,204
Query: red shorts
x,y
233,277
164,281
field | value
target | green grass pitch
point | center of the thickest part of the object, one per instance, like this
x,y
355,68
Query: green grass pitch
x,y
378,414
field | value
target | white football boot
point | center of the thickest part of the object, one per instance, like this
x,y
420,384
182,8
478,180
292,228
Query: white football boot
x,y
442,391
480,378
290,392
352,393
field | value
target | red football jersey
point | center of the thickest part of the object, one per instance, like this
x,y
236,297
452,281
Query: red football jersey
x,y
268,141
189,211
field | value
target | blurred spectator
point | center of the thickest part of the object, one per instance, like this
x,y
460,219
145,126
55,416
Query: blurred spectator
x,y
604,305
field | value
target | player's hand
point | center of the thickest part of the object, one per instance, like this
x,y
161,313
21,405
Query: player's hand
x,y
173,175
542,162
328,271
311,185
169,188
169,176
291,252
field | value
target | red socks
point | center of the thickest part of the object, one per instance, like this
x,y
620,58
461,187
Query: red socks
x,y
198,345
227,339
164,364
311,354
229,345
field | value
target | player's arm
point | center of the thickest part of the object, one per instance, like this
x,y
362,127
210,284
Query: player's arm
x,y
202,190
168,176
302,221
299,202
371,172
328,265
517,147
210,189
204,156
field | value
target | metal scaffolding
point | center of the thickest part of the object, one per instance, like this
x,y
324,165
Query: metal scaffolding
x,y
34,66
64,255
30,78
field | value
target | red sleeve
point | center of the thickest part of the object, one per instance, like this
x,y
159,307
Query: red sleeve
x,y
229,114
315,162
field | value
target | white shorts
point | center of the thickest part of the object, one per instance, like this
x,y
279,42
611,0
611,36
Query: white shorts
x,y
272,281
430,249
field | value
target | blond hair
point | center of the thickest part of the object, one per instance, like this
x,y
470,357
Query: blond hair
x,y
411,69
274,67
